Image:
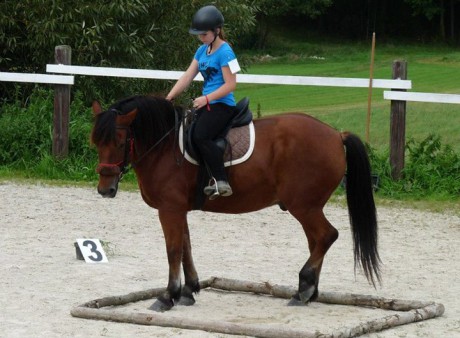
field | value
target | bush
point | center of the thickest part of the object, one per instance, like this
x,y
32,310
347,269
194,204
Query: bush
x,y
431,169
26,131
26,135
118,33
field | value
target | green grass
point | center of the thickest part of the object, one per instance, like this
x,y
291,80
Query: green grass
x,y
430,68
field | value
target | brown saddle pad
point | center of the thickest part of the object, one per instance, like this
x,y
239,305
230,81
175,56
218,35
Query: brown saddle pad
x,y
239,148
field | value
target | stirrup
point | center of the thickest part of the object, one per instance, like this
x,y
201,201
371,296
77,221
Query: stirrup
x,y
211,190
217,188
224,188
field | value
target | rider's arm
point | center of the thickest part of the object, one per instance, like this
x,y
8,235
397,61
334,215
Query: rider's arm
x,y
228,87
184,81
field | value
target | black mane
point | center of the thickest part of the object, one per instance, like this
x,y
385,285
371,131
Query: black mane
x,y
155,117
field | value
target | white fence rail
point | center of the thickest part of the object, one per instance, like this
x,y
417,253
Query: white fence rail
x,y
421,97
398,94
36,78
241,78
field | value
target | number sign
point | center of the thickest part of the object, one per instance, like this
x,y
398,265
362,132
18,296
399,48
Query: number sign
x,y
92,251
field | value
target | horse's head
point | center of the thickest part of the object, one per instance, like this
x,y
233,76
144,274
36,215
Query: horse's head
x,y
112,137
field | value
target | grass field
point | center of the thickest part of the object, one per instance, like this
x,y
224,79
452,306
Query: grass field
x,y
431,68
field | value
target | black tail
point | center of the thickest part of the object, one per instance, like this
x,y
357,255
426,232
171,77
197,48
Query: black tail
x,y
361,207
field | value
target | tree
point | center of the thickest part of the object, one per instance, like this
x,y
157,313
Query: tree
x,y
432,9
270,10
120,33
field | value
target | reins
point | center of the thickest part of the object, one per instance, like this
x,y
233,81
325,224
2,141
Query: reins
x,y
134,164
126,164
186,117
176,128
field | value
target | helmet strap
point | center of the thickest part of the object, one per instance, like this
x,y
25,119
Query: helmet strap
x,y
215,37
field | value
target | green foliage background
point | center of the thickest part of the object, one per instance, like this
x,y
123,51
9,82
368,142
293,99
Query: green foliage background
x,y
117,33
26,140
154,35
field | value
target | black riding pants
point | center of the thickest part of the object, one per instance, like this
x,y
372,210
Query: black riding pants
x,y
209,126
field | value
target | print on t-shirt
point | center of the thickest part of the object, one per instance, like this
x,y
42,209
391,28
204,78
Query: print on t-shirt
x,y
208,72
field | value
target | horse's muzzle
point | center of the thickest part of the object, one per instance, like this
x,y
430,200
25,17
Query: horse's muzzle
x,y
109,191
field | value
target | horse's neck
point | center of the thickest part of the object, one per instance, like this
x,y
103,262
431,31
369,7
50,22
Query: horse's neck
x,y
156,156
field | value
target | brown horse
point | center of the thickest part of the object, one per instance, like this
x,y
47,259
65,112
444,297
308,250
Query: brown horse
x,y
297,163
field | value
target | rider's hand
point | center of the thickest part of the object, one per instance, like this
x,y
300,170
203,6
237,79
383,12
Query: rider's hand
x,y
200,102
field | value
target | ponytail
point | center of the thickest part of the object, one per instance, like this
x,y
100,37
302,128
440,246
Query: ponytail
x,y
221,33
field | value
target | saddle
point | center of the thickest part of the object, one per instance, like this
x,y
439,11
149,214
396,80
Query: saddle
x,y
236,141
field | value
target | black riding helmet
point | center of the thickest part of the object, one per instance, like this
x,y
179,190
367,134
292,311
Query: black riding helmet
x,y
207,18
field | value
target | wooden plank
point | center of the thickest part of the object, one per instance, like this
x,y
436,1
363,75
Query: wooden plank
x,y
421,97
61,117
407,311
398,125
117,72
323,81
36,78
241,78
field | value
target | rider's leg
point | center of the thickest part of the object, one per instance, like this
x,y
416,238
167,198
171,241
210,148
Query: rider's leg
x,y
209,125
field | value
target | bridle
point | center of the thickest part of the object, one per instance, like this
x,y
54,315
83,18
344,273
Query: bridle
x,y
121,168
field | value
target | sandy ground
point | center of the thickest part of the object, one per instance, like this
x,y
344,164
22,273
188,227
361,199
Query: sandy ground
x,y
41,279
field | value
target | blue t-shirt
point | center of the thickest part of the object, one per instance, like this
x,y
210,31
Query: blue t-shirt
x,y
210,67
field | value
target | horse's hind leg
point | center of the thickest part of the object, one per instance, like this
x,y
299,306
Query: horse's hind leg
x,y
320,235
192,284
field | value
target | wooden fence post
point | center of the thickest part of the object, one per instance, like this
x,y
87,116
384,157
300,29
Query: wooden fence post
x,y
398,124
62,55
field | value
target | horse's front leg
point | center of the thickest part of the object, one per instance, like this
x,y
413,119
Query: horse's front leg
x,y
173,224
192,284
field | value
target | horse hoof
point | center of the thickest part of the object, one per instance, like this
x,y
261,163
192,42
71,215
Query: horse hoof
x,y
161,305
186,301
296,302
306,295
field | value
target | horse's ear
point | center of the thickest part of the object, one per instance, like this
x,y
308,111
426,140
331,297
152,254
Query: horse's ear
x,y
97,109
127,119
